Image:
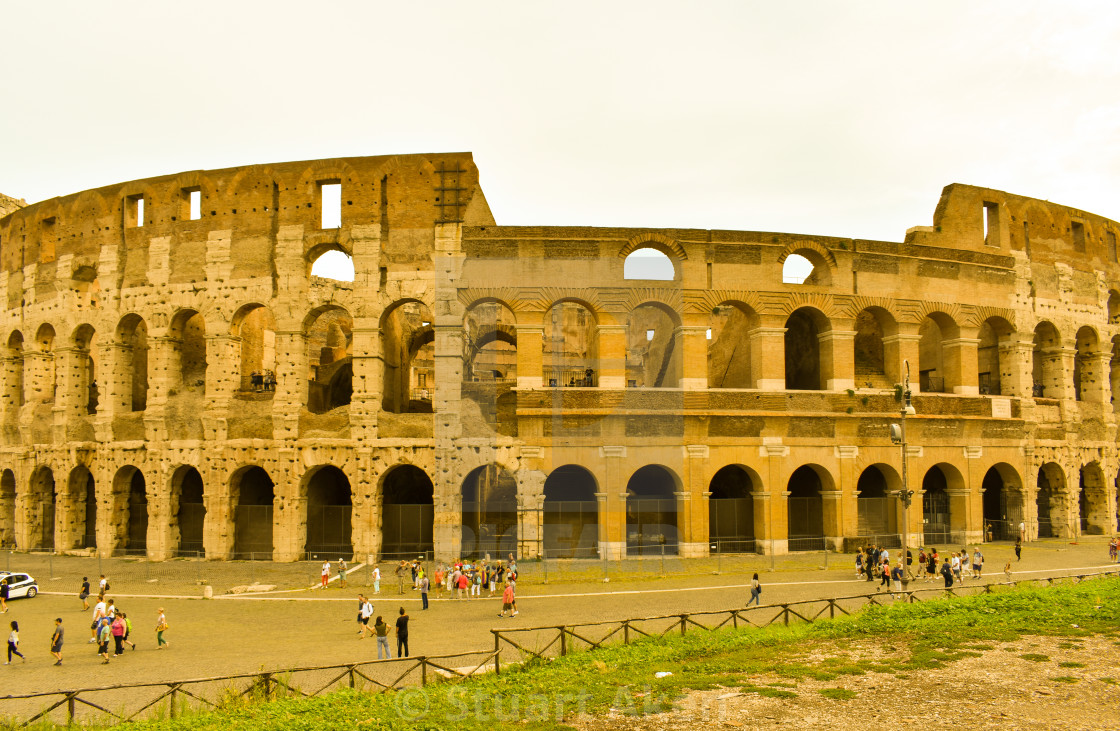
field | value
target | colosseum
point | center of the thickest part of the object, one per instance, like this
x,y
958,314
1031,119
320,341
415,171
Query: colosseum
x,y
176,381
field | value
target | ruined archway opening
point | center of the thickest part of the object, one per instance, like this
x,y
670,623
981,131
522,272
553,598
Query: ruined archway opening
x,y
255,328
489,512
189,510
86,369
868,351
330,360
1092,501
334,264
13,382
1085,364
571,513
994,332
803,351
654,357
805,507
407,513
187,352
7,509
129,513
132,351
41,505
408,355
489,365
330,510
651,512
731,510
253,494
570,348
649,263
44,377
1046,362
729,347
997,524
934,372
81,497
876,514
935,507
1045,504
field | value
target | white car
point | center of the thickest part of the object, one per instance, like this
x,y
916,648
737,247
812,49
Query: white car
x,y
20,585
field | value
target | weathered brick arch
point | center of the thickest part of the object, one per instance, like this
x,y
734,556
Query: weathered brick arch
x,y
650,240
817,251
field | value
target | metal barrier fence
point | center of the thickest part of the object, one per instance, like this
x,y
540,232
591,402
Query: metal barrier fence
x,y
174,697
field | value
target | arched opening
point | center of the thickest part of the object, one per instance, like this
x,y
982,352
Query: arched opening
x,y
653,350
334,264
1046,362
407,513
1114,373
330,358
132,350
803,349
44,379
81,496
86,365
255,328
330,509
651,512
187,352
1113,307
1001,519
873,324
876,508
489,513
936,517
994,332
7,509
571,513
571,348
648,263
731,510
729,346
189,511
408,352
41,507
490,344
252,494
1086,365
797,269
1092,501
806,510
934,372
130,512
13,383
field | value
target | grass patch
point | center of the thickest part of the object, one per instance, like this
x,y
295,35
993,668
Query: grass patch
x,y
1065,679
1109,681
1069,646
838,694
545,694
1071,664
1035,657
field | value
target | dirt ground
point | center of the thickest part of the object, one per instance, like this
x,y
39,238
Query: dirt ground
x,y
999,690
250,633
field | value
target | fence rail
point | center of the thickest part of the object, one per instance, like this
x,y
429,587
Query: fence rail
x,y
175,696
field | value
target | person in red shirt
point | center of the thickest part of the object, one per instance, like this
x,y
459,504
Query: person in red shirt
x,y
508,602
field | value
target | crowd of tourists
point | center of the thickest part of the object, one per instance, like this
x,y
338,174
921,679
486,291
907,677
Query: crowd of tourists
x,y
873,564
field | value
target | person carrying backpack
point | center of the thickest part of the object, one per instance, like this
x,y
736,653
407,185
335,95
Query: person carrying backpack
x,y
756,591
947,572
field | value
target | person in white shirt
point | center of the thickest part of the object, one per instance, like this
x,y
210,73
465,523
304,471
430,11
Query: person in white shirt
x,y
98,613
367,612
326,573
376,579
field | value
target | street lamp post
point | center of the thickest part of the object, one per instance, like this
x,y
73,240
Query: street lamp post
x,y
898,436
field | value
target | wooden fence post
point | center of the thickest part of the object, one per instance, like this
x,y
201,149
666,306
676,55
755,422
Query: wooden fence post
x,y
350,672
171,709
424,671
684,624
563,643
785,614
626,632
497,652
70,705
831,608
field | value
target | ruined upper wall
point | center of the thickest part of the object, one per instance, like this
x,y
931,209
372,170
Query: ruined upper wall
x,y
8,204
402,193
1046,232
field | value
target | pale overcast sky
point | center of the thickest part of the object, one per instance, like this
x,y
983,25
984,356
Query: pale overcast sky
x,y
838,118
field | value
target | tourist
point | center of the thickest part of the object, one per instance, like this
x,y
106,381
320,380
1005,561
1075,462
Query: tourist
x,y
118,636
756,591
4,592
56,641
978,564
462,586
381,630
111,610
859,564
127,632
13,644
83,593
437,580
909,563
363,617
401,568
102,586
376,579
104,634
402,634
361,606
931,566
341,573
98,614
1007,571
161,627
896,580
885,573
476,583
1019,549
424,584
1113,548
947,573
325,574
508,602
955,562
491,580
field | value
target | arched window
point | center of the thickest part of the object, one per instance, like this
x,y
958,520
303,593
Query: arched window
x,y
796,269
571,350
875,508
651,512
330,360
489,497
189,511
993,332
407,513
731,510
330,507
806,510
255,327
334,264
648,263
571,514
1047,362
408,352
729,346
653,353
252,494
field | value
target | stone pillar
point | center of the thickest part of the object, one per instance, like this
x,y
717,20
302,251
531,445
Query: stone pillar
x,y
1016,361
768,354
291,383
530,510
369,372
160,511
915,519
71,397
960,362
694,339
612,356
223,359
1059,363
847,508
692,503
11,396
1095,368
289,521
612,507
900,348
365,515
837,354
775,533
530,350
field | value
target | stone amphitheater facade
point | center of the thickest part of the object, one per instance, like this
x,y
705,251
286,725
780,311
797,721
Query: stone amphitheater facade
x,y
176,381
